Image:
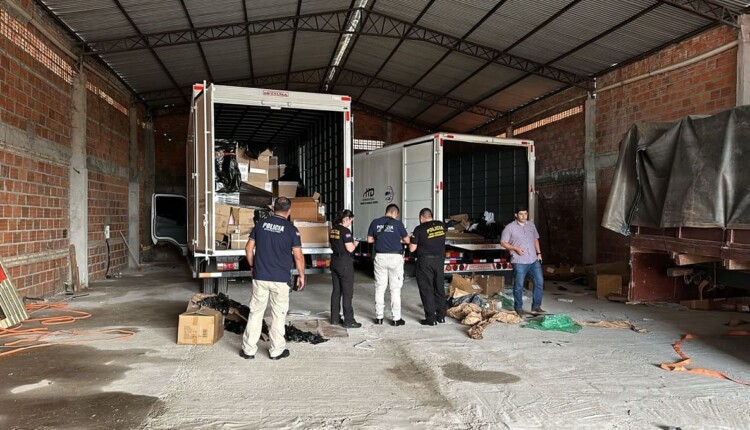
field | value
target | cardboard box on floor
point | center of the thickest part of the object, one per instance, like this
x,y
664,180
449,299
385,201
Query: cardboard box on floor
x,y
463,285
563,272
731,304
199,326
490,284
620,268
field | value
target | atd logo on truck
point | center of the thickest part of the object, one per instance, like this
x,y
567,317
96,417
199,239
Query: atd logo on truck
x,y
368,197
276,93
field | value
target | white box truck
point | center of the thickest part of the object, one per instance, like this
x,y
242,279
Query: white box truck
x,y
309,130
451,174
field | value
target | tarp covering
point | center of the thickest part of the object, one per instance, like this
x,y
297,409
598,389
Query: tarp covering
x,y
692,173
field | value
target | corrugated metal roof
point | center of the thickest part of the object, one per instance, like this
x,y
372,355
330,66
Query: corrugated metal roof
x,y
385,53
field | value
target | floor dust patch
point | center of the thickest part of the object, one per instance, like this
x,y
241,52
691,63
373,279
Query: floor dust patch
x,y
461,372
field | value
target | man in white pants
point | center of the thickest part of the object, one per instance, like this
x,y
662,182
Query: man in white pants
x,y
388,234
273,248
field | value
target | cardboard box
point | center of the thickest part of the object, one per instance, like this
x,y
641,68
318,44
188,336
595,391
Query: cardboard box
x,y
313,233
491,284
307,209
241,220
199,326
703,305
562,273
285,189
463,285
273,169
222,214
238,240
608,284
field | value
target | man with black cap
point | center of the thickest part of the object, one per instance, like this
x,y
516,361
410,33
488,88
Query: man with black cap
x,y
521,239
428,241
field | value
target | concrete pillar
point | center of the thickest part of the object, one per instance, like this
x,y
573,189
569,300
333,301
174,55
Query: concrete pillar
x,y
134,194
590,219
78,202
388,131
148,171
743,62
509,131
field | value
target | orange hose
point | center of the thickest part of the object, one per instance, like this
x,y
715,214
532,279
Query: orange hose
x,y
37,337
681,366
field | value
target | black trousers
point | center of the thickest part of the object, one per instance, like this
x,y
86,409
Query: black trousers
x,y
342,275
431,288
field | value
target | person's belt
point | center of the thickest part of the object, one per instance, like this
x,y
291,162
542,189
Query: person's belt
x,y
335,254
391,252
432,256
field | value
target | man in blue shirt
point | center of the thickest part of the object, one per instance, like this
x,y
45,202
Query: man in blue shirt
x,y
521,239
388,234
273,249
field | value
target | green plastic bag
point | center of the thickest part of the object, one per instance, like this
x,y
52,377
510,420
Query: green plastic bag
x,y
556,322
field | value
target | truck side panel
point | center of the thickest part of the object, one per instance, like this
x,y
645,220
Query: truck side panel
x,y
419,181
377,183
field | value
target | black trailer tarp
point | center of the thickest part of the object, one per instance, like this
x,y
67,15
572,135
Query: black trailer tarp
x,y
692,173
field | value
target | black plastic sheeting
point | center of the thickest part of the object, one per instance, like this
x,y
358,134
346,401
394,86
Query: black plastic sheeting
x,y
228,177
693,173
222,303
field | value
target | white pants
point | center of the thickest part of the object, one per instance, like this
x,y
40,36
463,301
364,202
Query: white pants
x,y
278,292
389,272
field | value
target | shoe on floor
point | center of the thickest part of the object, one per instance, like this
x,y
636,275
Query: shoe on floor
x,y
284,354
246,356
399,322
441,320
428,322
378,321
520,312
353,324
538,311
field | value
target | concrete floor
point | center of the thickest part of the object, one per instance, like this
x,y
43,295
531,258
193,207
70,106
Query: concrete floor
x,y
413,376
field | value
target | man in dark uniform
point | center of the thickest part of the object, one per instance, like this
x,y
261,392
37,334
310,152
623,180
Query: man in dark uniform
x,y
388,234
428,240
342,270
277,247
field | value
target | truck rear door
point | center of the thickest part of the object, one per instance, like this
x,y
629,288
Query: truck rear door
x,y
419,179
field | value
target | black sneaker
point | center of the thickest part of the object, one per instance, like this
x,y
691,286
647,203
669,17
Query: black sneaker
x,y
428,322
284,354
353,324
399,322
246,356
378,321
441,320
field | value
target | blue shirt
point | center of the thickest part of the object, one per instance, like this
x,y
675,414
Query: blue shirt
x,y
387,233
274,239
524,237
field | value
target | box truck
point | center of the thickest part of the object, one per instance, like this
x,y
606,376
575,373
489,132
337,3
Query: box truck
x,y
309,130
455,175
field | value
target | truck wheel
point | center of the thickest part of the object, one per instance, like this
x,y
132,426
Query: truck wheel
x,y
222,285
207,286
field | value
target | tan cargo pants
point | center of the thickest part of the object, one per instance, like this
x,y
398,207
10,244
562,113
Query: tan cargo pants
x,y
278,294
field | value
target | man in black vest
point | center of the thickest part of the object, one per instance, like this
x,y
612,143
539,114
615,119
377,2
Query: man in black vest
x,y
428,240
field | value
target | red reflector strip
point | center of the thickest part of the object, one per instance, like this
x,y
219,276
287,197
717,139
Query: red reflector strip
x,y
346,98
348,172
449,136
197,87
525,142
2,274
347,116
531,148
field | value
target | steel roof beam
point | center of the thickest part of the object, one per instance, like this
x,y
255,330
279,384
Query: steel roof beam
x,y
707,9
449,52
200,46
249,45
335,50
374,24
153,52
348,78
330,80
398,45
291,50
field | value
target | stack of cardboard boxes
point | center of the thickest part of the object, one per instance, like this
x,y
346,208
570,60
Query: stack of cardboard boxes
x,y
234,223
308,215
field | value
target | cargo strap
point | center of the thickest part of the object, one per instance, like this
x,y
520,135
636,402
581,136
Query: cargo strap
x,y
681,366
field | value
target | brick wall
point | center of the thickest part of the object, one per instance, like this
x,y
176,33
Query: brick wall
x,y
35,150
170,138
374,127
559,172
704,88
